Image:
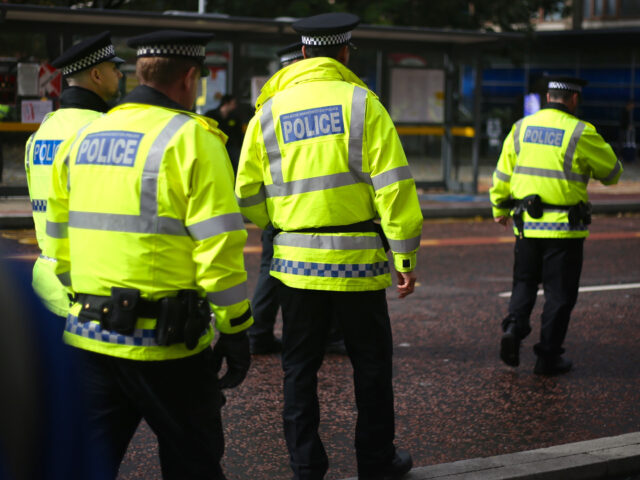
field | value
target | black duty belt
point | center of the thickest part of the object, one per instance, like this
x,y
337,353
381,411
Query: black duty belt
x,y
366,226
580,213
184,317
99,304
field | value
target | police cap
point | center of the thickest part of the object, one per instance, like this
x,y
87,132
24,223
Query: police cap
x,y
571,84
326,29
87,53
172,43
290,52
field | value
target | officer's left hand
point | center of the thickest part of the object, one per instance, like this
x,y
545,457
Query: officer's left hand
x,y
235,349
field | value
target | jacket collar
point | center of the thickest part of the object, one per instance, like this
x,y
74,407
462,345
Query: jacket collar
x,y
558,106
78,97
150,96
308,70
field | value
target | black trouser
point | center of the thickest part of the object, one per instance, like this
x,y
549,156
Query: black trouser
x,y
179,399
557,264
364,319
264,304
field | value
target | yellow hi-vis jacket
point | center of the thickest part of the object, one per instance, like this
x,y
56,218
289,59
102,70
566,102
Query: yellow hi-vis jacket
x,y
322,151
39,154
143,198
552,154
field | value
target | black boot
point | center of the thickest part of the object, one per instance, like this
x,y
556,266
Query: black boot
x,y
398,468
510,346
555,365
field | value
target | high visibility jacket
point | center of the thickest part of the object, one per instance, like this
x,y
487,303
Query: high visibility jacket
x,y
552,154
39,154
322,151
143,198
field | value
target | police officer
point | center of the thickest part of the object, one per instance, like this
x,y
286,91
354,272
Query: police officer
x,y
321,159
541,182
91,71
143,220
265,302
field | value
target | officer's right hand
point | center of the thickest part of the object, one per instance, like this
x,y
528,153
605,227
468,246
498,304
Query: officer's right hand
x,y
235,349
503,220
406,283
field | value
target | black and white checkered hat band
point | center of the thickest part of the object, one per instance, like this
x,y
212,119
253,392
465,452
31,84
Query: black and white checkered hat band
x,y
564,86
184,50
322,40
287,57
99,56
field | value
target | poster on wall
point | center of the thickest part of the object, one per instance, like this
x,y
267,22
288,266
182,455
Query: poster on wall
x,y
417,95
33,111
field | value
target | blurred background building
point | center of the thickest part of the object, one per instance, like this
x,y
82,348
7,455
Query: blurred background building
x,y
453,74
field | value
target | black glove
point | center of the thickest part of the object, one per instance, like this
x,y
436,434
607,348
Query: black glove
x,y
235,349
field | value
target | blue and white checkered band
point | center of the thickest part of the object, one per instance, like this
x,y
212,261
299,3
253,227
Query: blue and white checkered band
x,y
195,51
565,86
331,39
94,58
287,57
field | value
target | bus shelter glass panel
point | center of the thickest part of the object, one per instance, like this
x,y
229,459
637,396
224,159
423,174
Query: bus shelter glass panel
x,y
416,105
255,64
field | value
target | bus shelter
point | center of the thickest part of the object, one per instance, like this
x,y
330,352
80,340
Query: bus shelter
x,y
429,80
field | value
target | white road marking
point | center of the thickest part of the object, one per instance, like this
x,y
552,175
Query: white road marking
x,y
600,288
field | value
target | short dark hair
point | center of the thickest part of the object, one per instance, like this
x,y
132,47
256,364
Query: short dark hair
x,y
226,98
562,95
330,51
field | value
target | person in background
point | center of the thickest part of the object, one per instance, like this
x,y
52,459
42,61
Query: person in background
x,y
231,124
90,68
321,159
265,302
143,220
541,182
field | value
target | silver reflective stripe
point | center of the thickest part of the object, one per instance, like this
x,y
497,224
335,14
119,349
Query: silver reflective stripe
x,y
148,221
256,199
571,148
613,173
65,278
404,246
356,134
390,177
66,159
230,296
57,229
149,181
516,137
328,242
115,222
313,184
502,176
48,259
271,143
216,225
543,172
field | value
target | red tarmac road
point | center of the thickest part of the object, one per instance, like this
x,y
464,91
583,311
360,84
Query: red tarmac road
x,y
454,398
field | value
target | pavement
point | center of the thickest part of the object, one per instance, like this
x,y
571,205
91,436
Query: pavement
x,y
615,457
